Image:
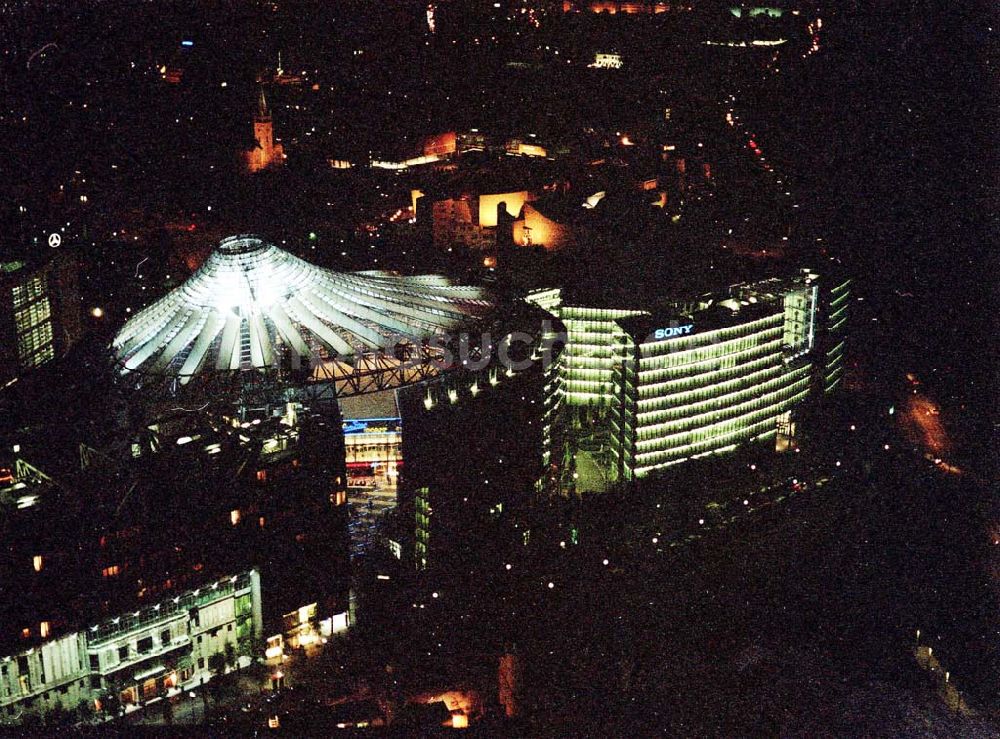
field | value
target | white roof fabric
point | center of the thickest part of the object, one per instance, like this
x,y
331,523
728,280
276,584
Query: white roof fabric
x,y
250,299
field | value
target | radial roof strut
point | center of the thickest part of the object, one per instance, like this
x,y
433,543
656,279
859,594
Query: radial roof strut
x,y
251,303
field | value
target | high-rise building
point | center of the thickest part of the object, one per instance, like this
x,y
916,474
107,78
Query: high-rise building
x,y
39,312
699,377
475,454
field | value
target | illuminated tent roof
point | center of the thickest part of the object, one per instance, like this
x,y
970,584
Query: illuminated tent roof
x,y
250,302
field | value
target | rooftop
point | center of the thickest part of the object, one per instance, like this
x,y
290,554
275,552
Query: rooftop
x,y
252,303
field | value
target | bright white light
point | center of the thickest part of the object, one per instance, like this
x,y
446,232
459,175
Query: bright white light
x,y
249,292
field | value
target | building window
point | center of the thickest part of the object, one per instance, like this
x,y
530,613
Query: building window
x,y
111,571
123,653
95,662
38,562
165,637
95,682
144,645
201,663
43,629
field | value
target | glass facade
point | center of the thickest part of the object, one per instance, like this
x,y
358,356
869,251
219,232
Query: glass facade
x,y
685,397
33,321
594,341
723,372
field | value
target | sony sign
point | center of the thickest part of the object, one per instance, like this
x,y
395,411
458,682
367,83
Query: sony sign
x,y
669,331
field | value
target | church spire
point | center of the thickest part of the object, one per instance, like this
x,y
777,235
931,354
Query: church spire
x,y
262,112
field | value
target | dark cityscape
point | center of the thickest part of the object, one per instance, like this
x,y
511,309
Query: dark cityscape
x,y
518,368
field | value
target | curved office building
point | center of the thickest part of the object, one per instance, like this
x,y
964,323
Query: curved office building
x,y
703,377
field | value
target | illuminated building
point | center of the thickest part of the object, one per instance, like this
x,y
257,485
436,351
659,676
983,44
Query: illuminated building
x,y
540,224
265,153
174,508
475,221
403,154
440,145
517,147
253,307
373,451
39,312
606,61
703,376
611,7
372,438
161,649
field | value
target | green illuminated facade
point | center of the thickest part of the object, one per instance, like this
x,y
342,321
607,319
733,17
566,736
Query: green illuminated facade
x,y
702,377
835,312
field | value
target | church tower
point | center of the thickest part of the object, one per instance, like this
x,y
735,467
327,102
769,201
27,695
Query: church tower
x,y
265,153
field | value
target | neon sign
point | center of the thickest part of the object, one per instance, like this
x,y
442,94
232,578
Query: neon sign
x,y
371,426
670,331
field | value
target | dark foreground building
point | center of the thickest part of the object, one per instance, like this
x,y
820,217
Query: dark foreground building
x,y
194,504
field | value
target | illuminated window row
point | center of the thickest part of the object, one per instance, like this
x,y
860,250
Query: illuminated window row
x,y
32,315
712,351
725,393
761,367
34,347
29,291
596,314
587,351
769,396
579,386
836,301
759,432
575,363
743,428
706,371
702,338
